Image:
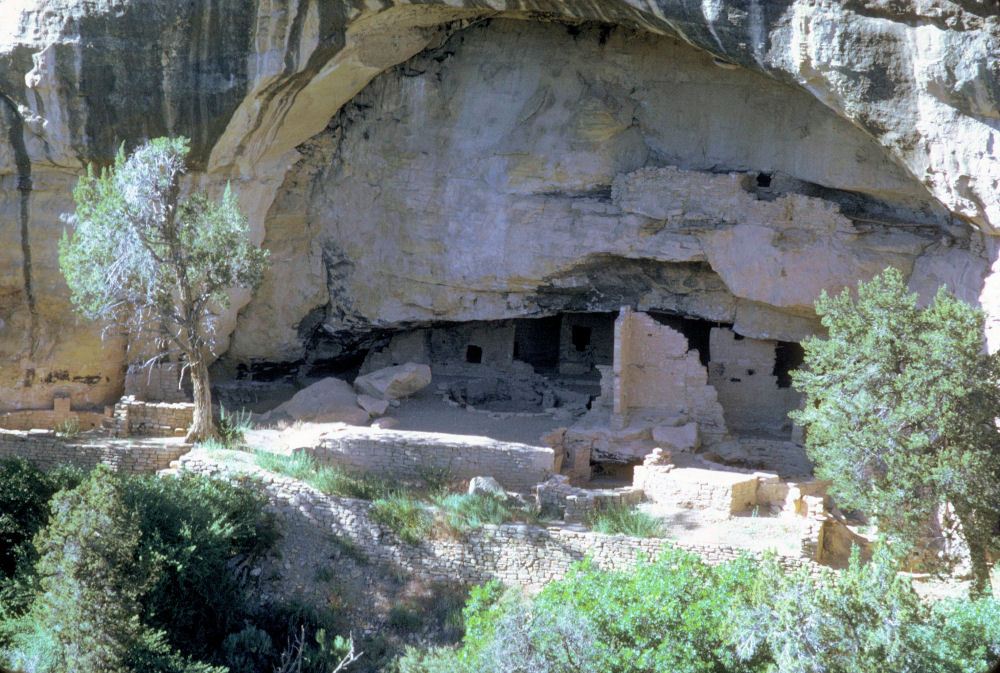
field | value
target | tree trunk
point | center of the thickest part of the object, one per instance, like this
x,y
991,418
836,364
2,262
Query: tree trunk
x,y
975,538
202,428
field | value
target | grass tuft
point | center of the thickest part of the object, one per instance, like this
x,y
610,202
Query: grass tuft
x,y
625,520
405,515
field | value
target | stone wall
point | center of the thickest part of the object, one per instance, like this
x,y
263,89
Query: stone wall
x,y
157,383
49,419
657,375
742,372
515,554
406,455
578,504
152,419
46,450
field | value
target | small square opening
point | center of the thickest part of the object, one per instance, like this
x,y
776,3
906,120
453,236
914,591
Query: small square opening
x,y
474,354
581,337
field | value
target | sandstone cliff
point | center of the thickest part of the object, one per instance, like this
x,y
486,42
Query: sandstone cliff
x,y
416,163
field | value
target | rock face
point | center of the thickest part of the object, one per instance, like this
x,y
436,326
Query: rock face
x,y
436,162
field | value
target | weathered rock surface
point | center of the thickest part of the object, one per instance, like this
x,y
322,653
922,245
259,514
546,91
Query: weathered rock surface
x,y
330,400
877,122
393,383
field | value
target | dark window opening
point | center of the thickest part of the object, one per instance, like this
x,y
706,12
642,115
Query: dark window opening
x,y
536,341
751,372
738,337
697,332
474,354
734,380
581,337
764,180
788,356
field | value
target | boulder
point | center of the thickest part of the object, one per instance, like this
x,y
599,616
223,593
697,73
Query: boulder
x,y
373,405
330,400
392,383
680,438
485,485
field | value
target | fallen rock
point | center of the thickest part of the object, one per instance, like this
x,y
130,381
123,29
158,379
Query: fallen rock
x,y
485,485
680,438
330,400
392,383
373,405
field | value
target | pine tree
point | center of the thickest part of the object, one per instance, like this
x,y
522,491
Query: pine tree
x,y
901,409
156,265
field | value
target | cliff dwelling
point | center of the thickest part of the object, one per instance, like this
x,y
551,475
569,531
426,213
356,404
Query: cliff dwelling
x,y
485,198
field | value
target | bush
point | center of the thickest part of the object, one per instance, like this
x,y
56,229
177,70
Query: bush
x,y
201,530
678,615
900,408
25,492
87,618
625,520
408,517
232,427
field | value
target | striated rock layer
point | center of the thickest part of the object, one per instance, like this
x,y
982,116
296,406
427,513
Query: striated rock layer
x,y
436,162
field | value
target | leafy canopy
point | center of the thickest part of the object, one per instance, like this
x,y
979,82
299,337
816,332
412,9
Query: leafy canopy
x,y
143,257
900,409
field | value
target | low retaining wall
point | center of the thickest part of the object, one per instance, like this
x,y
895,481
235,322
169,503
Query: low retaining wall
x,y
578,504
47,450
152,419
515,554
405,455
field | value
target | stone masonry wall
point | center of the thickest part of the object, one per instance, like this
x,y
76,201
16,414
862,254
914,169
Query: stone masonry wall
x,y
516,554
518,467
47,450
157,419
656,372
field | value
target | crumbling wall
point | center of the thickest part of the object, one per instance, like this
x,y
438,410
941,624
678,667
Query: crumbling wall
x,y
156,419
656,375
515,554
408,455
156,383
742,372
46,450
61,414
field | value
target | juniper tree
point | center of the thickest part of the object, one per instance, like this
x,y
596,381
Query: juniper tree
x,y
901,408
158,266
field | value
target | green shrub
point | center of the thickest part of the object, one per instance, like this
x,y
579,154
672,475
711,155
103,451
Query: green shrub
x,y
232,427
335,481
200,529
462,512
88,616
405,515
25,492
625,520
298,465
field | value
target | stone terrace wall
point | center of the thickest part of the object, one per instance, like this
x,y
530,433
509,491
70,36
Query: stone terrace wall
x,y
155,419
47,450
403,454
515,554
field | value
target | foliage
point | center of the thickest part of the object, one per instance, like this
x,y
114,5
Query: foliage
x,y
900,411
200,531
232,427
678,615
88,615
328,479
462,512
625,520
408,517
25,492
157,266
